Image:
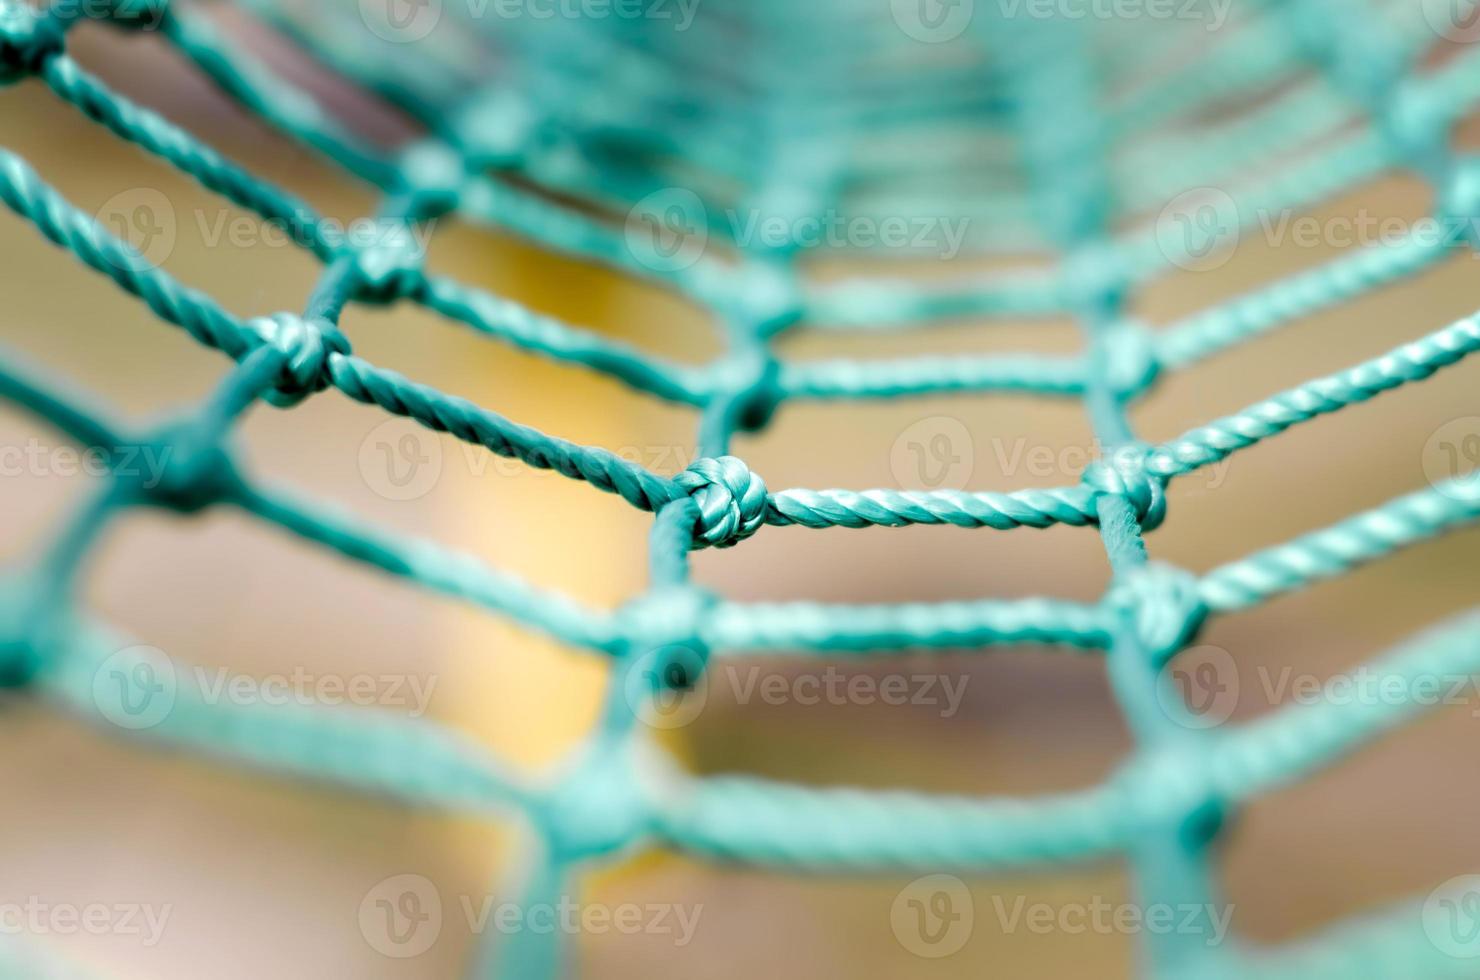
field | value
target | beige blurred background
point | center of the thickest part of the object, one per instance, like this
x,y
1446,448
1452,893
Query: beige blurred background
x,y
265,876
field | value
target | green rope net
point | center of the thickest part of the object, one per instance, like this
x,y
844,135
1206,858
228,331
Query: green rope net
x,y
1048,135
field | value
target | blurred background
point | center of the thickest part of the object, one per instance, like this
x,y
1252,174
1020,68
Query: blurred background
x,y
265,876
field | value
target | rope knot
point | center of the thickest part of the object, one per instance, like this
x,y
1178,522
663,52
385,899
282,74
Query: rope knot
x,y
1095,276
600,806
1459,198
732,500
307,345
17,623
389,266
770,297
495,129
1164,606
1415,119
433,173
1170,788
1133,364
1122,473
187,473
751,382
671,616
27,39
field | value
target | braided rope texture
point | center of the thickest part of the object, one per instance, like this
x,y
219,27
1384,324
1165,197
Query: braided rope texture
x,y
1373,100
